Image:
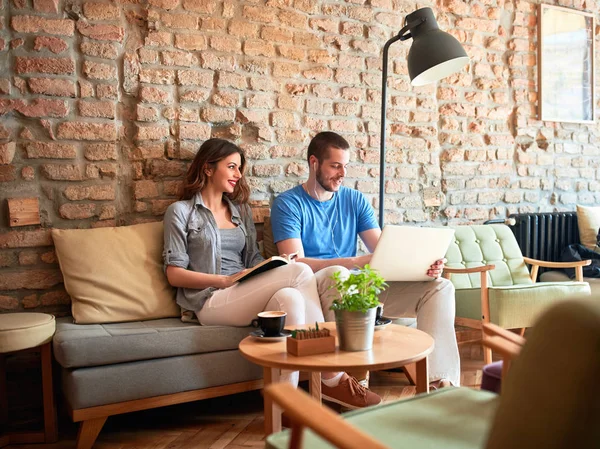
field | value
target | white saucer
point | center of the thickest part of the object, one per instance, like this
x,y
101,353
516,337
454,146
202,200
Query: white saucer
x,y
258,334
382,322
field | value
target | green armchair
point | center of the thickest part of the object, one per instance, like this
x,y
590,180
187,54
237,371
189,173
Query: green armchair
x,y
493,284
550,399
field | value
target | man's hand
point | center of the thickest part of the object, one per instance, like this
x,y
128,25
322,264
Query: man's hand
x,y
436,270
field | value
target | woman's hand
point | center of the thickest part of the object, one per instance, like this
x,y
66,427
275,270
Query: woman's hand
x,y
227,281
436,270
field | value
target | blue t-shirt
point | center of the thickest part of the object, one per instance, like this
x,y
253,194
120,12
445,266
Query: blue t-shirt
x,y
328,229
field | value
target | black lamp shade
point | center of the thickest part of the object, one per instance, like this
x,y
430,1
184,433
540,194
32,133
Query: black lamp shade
x,y
434,54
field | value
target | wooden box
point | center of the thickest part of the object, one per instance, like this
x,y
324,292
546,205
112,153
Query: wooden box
x,y
310,346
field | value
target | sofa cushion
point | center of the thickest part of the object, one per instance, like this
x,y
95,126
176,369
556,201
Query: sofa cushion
x,y
588,221
77,345
517,306
115,274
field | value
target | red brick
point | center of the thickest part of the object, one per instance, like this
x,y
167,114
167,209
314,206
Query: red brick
x,y
101,32
195,78
107,211
28,173
101,151
96,192
55,298
77,211
159,207
242,28
107,92
194,96
158,39
180,21
200,6
157,76
225,44
101,109
15,43
213,24
99,70
217,62
28,258
155,95
54,44
87,131
293,19
62,172
146,113
57,66
100,11
7,152
255,47
30,279
49,257
35,24
154,132
7,173
172,169
192,42
102,170
194,131
178,58
276,34
145,189
47,6
25,239
52,86
164,4
260,14
105,50
49,150
8,302
39,107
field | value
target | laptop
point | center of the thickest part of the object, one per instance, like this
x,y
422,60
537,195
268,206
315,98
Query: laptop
x,y
405,253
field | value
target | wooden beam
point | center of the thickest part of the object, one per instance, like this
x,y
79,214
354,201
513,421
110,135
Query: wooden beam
x,y
23,211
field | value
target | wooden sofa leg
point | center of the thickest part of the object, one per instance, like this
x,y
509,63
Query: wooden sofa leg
x,y
88,432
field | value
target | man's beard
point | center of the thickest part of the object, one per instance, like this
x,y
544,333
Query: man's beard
x,y
327,186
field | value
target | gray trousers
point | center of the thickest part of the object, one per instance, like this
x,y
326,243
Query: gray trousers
x,y
432,303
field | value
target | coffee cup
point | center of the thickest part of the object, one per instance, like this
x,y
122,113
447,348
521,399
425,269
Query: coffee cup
x,y
270,322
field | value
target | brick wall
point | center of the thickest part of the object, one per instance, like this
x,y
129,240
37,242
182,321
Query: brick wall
x,y
103,104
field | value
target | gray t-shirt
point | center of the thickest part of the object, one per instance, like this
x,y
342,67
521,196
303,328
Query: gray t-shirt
x,y
232,245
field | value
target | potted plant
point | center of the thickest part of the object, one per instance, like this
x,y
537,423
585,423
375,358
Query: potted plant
x,y
356,308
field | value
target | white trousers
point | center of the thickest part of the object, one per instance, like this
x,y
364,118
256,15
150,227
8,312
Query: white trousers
x,y
431,302
291,288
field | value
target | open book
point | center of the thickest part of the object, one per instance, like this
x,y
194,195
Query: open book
x,y
265,265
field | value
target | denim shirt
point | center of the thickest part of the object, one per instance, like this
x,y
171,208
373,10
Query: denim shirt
x,y
193,242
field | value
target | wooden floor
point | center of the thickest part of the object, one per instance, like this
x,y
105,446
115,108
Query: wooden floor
x,y
232,422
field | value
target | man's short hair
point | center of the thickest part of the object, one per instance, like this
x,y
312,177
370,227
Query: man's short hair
x,y
320,144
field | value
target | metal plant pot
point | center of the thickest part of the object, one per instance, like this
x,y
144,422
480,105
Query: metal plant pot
x,y
355,329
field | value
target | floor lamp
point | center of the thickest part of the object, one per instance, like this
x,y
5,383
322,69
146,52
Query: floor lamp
x,y
433,55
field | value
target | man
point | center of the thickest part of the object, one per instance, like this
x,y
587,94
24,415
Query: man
x,y
321,220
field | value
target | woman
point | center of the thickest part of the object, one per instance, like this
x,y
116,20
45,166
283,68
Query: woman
x,y
210,236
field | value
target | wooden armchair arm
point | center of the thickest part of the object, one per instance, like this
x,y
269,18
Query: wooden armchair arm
x,y
536,264
480,269
304,411
491,329
545,264
507,349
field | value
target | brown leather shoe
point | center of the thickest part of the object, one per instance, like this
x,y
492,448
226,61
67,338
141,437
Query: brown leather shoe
x,y
350,393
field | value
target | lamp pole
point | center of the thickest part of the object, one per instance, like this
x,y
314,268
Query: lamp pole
x,y
433,56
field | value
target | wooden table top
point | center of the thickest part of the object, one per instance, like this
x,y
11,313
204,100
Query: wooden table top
x,y
393,346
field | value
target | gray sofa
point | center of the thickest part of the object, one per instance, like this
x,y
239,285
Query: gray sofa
x,y
108,369
141,355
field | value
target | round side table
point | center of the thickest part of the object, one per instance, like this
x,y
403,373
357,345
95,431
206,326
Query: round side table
x,y
21,332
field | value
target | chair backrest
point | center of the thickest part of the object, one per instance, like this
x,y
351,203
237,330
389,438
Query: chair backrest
x,y
551,396
478,245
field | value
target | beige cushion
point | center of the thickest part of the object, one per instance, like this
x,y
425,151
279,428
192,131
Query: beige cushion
x,y
115,274
269,246
20,331
588,221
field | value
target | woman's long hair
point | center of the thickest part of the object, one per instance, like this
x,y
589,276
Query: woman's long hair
x,y
209,154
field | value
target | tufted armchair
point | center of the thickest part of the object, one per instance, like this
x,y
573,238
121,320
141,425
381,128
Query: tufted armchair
x,y
493,284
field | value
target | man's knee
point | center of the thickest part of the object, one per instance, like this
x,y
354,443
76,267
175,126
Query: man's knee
x,y
325,275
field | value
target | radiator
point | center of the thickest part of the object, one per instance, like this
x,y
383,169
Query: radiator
x,y
543,236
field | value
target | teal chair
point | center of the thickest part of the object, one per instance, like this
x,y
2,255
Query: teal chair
x,y
493,284
550,399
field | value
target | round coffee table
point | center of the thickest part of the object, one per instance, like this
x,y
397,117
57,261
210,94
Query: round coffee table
x,y
393,347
